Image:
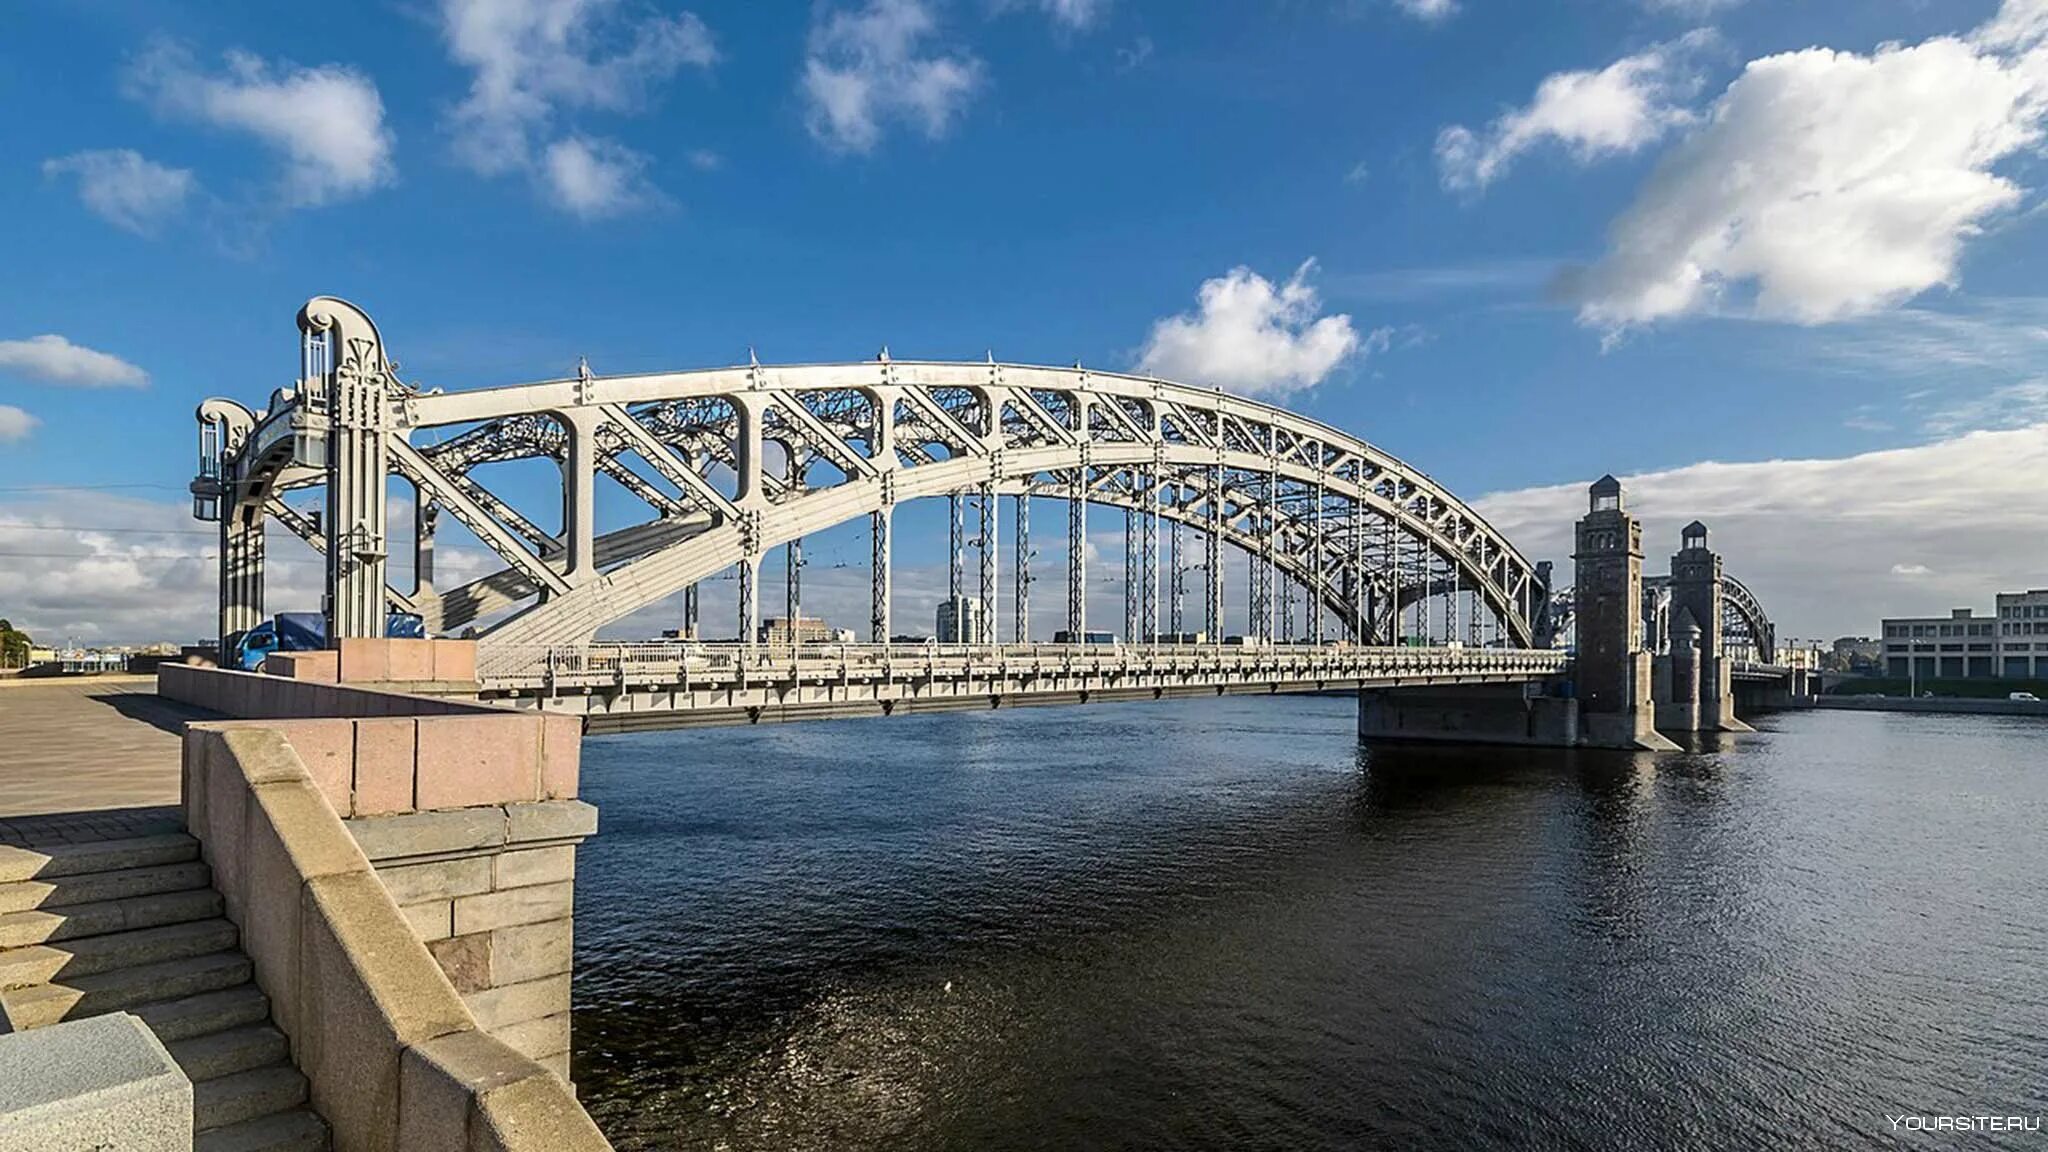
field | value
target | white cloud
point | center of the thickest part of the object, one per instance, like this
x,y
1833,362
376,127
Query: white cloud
x,y
55,360
139,573
1618,109
1428,9
595,178
1831,545
1829,184
1503,276
328,122
15,424
533,59
102,567
1075,13
868,67
1252,336
2009,406
1690,8
125,189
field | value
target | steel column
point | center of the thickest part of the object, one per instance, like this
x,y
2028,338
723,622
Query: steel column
x,y
1212,556
956,559
241,569
357,465
989,546
1177,593
691,613
1148,557
1361,620
1077,556
793,588
750,605
878,591
1315,567
1022,629
1131,533
579,498
426,518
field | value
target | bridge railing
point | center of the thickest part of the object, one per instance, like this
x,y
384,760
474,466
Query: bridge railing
x,y
675,662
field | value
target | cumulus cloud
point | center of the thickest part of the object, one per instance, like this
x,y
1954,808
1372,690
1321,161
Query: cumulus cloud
x,y
1832,545
15,424
1253,336
534,60
122,187
327,122
1620,108
868,67
102,567
140,572
54,360
596,178
1824,185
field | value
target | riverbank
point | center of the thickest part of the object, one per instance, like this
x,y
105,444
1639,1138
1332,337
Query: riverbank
x,y
1943,704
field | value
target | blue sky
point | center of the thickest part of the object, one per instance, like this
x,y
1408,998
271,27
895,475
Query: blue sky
x,y
665,186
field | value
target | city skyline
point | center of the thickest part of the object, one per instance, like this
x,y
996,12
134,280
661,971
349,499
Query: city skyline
x,y
1498,244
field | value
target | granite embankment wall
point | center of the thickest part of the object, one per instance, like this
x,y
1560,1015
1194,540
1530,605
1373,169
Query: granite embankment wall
x,y
402,871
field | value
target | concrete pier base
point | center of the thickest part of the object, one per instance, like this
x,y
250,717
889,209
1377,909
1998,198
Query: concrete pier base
x,y
1497,714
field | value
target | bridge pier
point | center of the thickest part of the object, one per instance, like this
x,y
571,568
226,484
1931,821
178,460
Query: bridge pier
x,y
1696,689
1469,714
1611,670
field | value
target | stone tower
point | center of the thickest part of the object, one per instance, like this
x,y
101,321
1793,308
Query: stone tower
x,y
1696,588
1611,670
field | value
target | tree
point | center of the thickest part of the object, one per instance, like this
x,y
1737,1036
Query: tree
x,y
14,645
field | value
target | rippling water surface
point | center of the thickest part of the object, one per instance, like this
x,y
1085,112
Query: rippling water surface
x,y
1219,924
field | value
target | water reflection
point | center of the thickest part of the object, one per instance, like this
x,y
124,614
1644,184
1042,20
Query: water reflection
x,y
1221,924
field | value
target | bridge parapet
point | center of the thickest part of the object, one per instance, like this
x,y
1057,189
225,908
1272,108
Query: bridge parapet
x,y
676,684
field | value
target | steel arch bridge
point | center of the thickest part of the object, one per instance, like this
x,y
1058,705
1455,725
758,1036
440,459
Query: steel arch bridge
x,y
732,462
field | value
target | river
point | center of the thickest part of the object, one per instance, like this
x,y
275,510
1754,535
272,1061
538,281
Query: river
x,y
1220,924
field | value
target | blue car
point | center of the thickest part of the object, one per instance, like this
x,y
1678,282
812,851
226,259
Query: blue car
x,y
307,632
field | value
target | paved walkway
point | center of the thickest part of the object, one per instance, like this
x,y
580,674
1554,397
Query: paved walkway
x,y
87,759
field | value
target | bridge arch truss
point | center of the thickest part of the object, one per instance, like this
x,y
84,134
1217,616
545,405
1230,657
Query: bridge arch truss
x,y
732,462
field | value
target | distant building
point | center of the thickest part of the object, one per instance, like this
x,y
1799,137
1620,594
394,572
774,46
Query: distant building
x,y
2023,634
959,620
2012,643
809,630
1863,655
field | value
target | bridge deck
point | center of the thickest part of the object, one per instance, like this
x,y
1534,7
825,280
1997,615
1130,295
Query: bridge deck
x,y
87,759
626,686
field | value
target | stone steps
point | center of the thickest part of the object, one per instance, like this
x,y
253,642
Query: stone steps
x,y
295,1131
230,1051
46,1004
52,925
134,925
98,856
205,1013
91,955
95,887
244,1096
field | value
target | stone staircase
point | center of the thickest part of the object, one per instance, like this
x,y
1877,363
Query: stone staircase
x,y
133,924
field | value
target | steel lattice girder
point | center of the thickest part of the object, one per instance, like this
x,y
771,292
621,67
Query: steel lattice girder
x,y
948,427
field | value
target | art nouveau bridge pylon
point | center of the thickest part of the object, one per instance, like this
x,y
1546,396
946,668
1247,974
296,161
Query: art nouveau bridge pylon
x,y
1379,552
